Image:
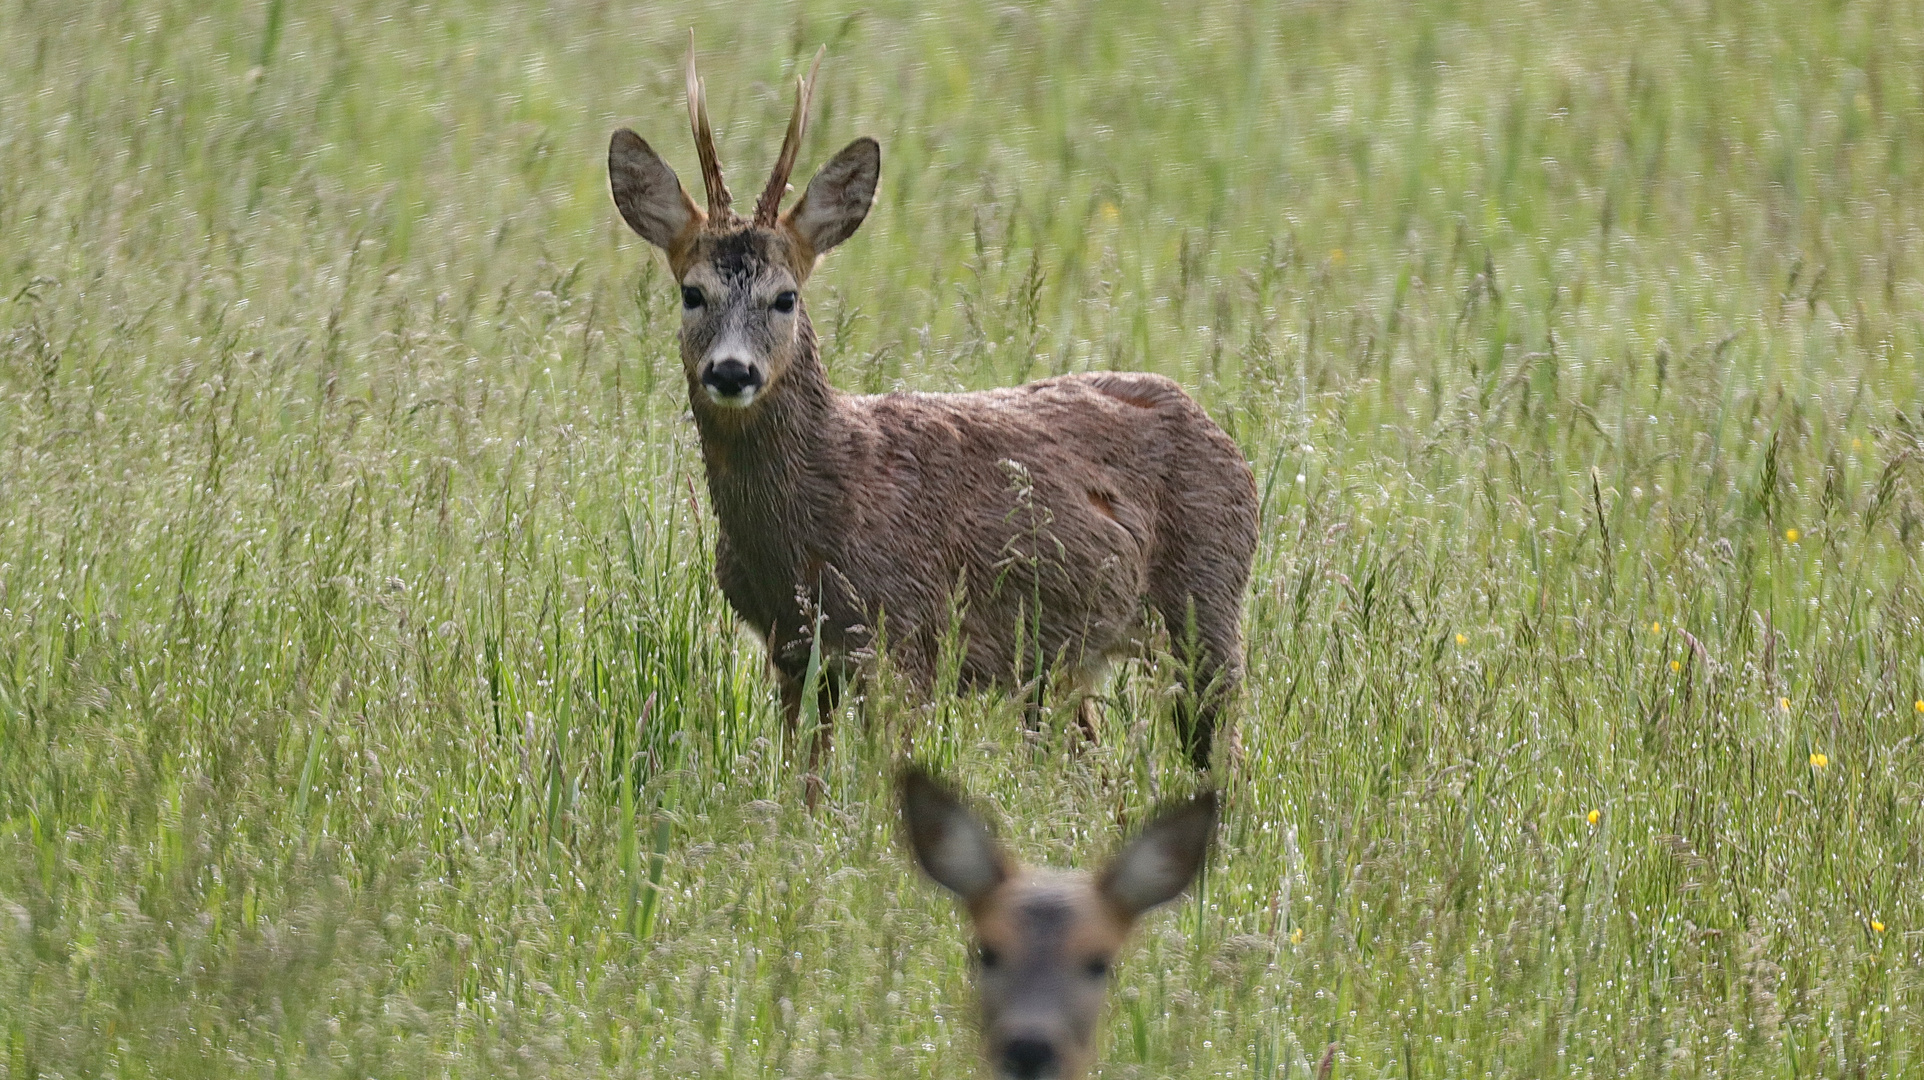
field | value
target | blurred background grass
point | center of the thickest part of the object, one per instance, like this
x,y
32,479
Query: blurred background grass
x,y
366,707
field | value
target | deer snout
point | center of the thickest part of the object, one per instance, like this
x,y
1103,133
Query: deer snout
x,y
1028,1058
731,381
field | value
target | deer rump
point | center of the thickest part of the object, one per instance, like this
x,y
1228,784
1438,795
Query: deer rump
x,y
1040,517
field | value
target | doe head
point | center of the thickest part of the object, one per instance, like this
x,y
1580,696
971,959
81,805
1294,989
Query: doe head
x,y
741,313
1046,940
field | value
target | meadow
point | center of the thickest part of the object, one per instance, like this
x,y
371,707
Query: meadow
x,y
368,709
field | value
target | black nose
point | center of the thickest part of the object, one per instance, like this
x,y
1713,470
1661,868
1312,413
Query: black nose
x,y
730,377
1027,1059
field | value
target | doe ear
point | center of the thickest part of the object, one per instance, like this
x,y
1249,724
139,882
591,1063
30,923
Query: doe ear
x,y
950,842
648,193
1158,864
838,197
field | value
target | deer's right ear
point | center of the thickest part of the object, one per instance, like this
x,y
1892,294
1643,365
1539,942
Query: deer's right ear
x,y
950,842
647,191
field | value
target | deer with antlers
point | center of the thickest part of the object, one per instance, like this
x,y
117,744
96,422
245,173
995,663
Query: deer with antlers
x,y
1042,520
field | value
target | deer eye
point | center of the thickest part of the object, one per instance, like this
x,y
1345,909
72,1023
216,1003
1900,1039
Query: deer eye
x,y
1097,968
691,297
785,301
986,956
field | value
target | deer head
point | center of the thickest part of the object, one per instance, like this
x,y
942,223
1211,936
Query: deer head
x,y
1047,940
741,281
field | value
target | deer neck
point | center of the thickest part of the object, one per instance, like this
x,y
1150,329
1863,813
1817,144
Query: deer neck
x,y
772,472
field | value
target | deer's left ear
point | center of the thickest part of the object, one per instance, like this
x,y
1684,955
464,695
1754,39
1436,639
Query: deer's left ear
x,y
838,198
1156,866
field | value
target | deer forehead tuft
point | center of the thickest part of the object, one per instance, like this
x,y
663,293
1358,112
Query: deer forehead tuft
x,y
1056,906
740,256
1045,914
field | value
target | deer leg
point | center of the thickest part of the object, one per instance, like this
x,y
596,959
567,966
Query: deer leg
x,y
1076,682
1036,700
1198,710
1205,639
828,695
791,687
1087,715
1085,679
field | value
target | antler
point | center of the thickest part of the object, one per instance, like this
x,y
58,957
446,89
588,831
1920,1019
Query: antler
x,y
771,201
711,173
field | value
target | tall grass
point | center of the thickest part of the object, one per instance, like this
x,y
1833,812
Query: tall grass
x,y
367,707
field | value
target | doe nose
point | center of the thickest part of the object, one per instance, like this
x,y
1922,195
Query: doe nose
x,y
730,377
1028,1059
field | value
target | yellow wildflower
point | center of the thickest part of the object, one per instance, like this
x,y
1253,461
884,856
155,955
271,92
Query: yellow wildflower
x,y
1783,703
1792,535
1461,640
1656,628
1918,704
1676,665
1296,936
1819,760
1877,926
1594,816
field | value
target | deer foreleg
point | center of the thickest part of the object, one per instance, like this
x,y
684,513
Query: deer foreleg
x,y
828,695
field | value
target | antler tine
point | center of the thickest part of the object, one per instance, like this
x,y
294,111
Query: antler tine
x,y
711,173
771,201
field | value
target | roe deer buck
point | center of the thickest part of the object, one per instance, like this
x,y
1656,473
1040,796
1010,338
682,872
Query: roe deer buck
x,y
1046,940
838,510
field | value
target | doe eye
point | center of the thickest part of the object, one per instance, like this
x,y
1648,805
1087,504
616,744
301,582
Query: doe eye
x,y
785,301
1097,968
986,956
691,297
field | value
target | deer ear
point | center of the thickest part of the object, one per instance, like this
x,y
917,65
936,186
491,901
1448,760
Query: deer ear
x,y
647,191
950,842
1156,866
838,197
